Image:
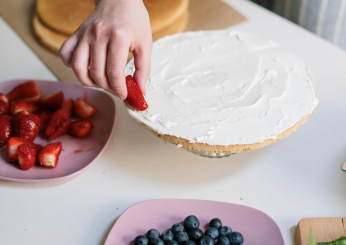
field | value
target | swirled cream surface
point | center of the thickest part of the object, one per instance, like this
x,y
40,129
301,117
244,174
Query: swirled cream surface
x,y
224,88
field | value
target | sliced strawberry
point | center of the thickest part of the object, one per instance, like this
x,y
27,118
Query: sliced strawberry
x,y
27,155
4,98
35,98
67,106
53,101
11,148
6,129
135,96
59,124
26,126
23,105
44,116
4,105
49,155
81,128
84,109
23,91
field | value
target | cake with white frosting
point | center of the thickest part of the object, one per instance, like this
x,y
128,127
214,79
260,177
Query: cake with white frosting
x,y
224,92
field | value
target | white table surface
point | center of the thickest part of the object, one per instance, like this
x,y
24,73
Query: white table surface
x,y
298,177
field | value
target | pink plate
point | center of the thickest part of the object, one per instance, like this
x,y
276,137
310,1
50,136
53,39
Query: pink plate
x,y
77,153
256,227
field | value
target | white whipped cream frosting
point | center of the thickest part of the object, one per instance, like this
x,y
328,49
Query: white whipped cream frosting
x,y
224,88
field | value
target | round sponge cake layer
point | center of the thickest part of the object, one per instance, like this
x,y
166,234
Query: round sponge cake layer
x,y
224,91
65,16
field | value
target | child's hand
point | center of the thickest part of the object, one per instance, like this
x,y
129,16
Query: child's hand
x,y
103,41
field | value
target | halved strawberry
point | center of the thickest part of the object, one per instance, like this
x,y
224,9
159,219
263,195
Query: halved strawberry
x,y
23,105
23,91
81,128
135,96
67,106
59,124
49,155
53,101
84,109
4,104
26,126
27,155
6,129
44,116
11,148
35,98
4,98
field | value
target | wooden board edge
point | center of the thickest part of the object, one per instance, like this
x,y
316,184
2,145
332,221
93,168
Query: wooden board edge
x,y
297,233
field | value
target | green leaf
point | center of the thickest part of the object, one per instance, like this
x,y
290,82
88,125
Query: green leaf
x,y
311,238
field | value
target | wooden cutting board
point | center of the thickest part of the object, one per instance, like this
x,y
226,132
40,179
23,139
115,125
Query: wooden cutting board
x,y
324,229
203,15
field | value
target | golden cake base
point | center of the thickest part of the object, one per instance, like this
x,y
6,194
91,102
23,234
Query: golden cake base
x,y
220,150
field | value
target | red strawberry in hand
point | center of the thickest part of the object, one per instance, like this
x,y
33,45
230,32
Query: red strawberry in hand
x,y
135,97
5,129
23,105
24,91
84,109
81,128
67,106
59,124
4,105
12,146
53,101
26,126
27,155
49,155
44,116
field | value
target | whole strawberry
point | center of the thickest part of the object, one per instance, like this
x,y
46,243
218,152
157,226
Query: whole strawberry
x,y
135,97
59,124
26,126
5,129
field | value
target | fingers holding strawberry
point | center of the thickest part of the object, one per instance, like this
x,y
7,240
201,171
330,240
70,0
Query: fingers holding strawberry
x,y
103,41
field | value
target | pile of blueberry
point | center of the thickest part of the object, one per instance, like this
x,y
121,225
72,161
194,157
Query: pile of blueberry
x,y
190,234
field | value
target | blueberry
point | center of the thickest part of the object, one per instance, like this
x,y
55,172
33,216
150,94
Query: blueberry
x,y
167,236
181,237
156,241
195,234
177,227
189,243
141,240
191,222
212,232
223,241
216,223
206,240
225,231
153,234
236,238
172,242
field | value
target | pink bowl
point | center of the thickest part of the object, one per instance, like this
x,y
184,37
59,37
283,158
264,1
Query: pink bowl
x,y
256,227
77,154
